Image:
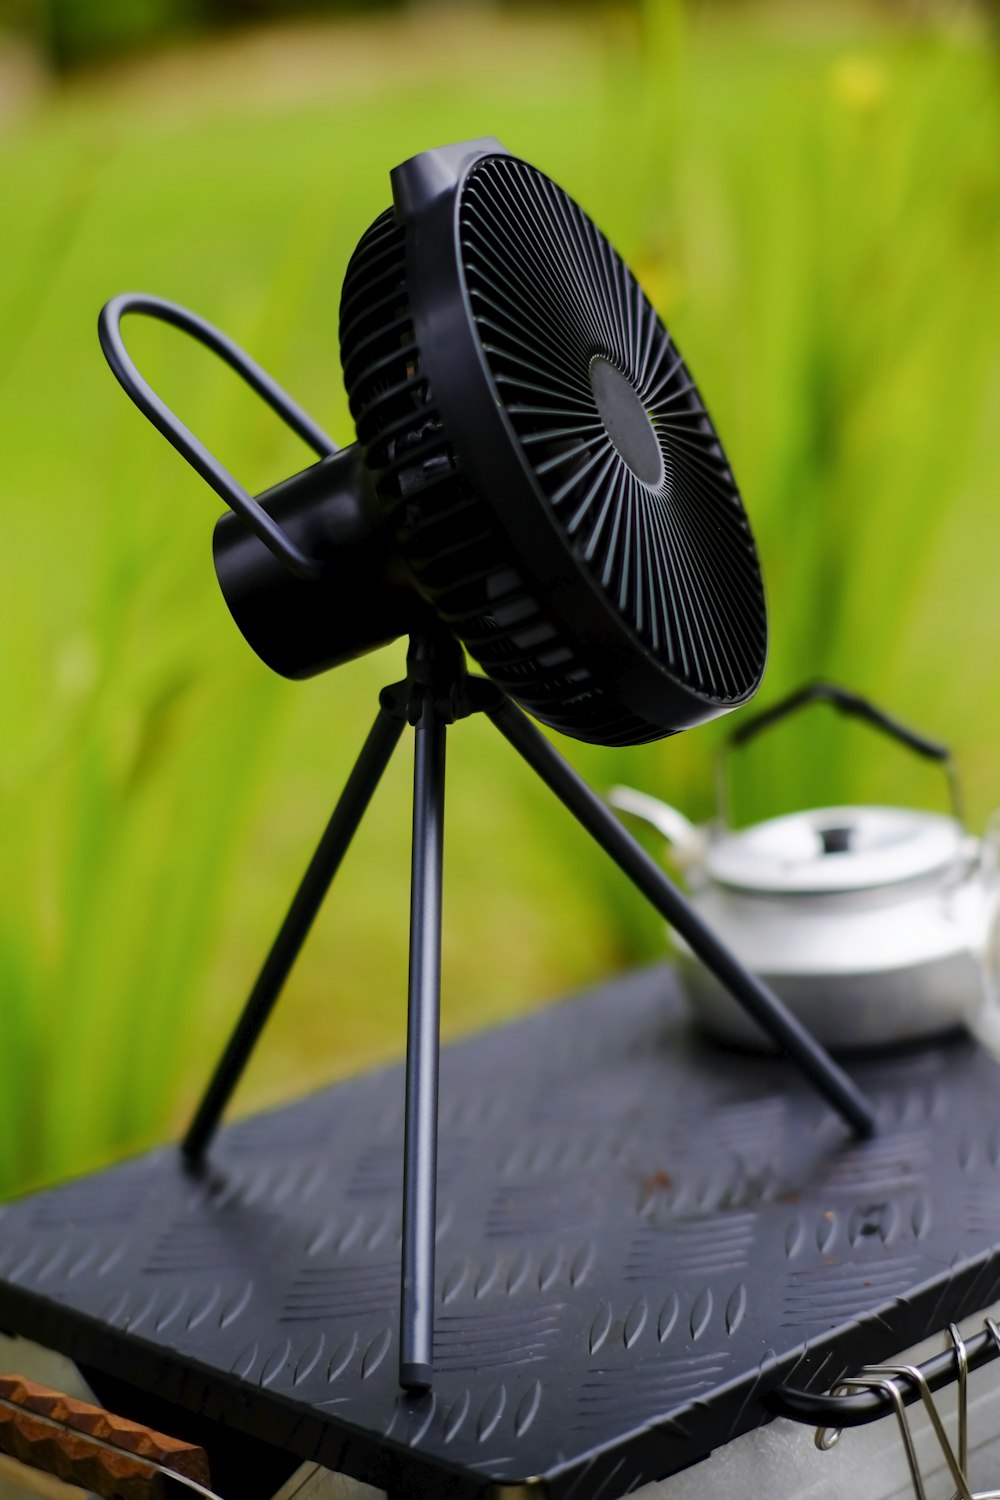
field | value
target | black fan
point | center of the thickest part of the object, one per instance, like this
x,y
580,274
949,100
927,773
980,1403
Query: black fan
x,y
535,477
542,457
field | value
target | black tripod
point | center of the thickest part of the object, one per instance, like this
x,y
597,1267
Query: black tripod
x,y
436,693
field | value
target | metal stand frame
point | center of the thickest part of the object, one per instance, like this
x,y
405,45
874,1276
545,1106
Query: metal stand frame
x,y
436,693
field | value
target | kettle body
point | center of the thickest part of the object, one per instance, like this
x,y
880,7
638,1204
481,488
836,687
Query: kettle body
x,y
877,926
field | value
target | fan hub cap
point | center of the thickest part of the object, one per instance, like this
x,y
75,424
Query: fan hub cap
x,y
626,421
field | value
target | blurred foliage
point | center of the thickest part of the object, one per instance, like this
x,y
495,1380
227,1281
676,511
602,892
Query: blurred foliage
x,y
73,32
78,32
811,198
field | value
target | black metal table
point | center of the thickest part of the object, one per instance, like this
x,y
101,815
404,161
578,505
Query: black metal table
x,y
640,1237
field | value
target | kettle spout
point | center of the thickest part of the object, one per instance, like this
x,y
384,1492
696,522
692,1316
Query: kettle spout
x,y
689,842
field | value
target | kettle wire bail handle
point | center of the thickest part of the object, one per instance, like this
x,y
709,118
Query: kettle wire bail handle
x,y
191,448
853,706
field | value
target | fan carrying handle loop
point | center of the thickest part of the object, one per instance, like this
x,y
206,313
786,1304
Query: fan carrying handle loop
x,y
201,459
848,703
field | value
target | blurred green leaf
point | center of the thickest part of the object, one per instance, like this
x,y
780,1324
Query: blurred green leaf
x,y
815,208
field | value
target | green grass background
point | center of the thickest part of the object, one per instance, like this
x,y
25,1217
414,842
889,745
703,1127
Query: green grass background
x,y
811,196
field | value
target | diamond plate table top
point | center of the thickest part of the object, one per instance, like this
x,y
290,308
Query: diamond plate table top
x,y
639,1236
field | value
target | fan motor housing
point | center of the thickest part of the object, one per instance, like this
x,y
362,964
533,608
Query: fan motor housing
x,y
364,599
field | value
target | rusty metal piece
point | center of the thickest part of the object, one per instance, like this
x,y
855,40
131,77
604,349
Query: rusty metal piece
x,y
85,1445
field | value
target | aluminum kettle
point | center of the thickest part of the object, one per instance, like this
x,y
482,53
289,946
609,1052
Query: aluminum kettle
x,y
876,925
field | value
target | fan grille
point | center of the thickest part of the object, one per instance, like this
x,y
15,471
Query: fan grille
x,y
615,446
440,523
668,543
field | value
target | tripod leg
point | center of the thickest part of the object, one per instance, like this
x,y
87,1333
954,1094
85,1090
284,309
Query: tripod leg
x,y
364,778
416,1342
765,1008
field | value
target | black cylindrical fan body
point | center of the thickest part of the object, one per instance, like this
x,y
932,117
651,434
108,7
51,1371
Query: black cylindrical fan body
x,y
535,468
544,463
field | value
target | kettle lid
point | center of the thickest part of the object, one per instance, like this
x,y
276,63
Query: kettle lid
x,y
830,849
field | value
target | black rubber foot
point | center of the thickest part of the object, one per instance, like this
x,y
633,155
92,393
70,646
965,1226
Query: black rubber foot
x,y
415,1377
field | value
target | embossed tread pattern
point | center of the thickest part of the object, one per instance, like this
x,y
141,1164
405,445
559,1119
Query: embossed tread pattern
x,y
639,1237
